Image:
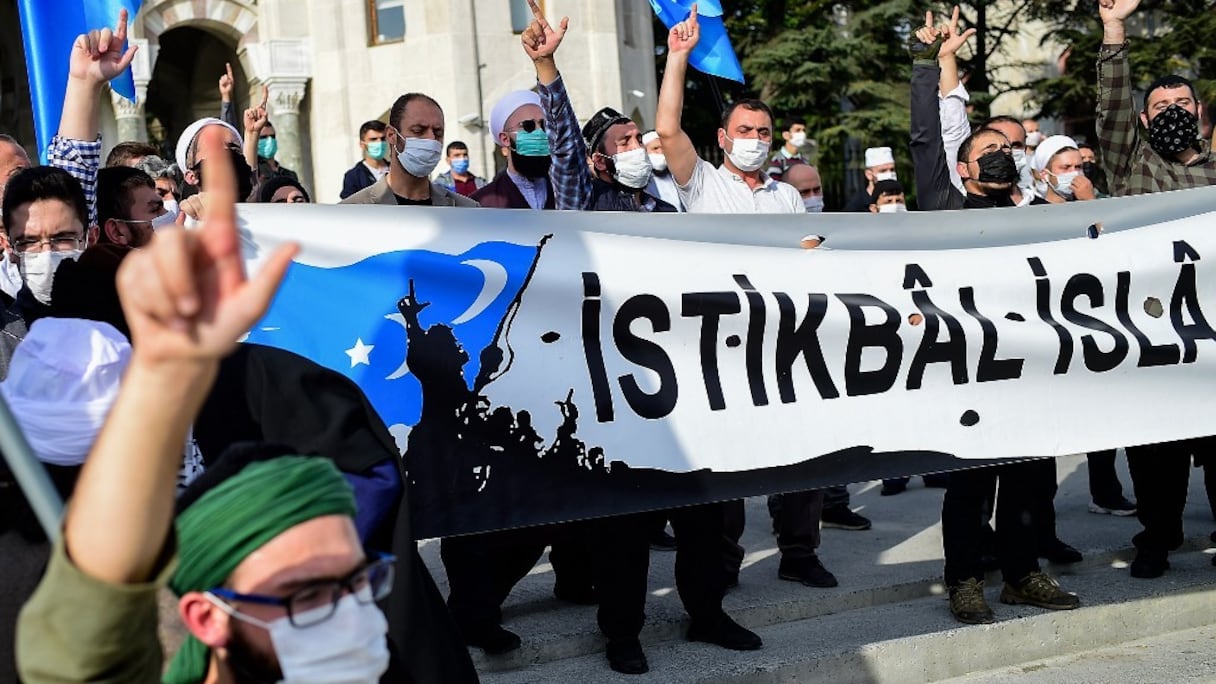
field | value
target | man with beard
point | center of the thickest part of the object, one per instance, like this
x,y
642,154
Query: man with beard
x,y
129,208
545,168
1175,157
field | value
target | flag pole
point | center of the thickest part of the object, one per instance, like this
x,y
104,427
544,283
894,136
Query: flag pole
x,y
716,92
31,476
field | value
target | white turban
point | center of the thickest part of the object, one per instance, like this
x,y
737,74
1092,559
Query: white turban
x,y
507,106
877,156
1048,149
62,381
649,137
192,131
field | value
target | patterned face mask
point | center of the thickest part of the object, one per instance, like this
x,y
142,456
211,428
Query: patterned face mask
x,y
1172,131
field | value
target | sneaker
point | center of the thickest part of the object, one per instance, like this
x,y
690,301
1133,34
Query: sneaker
x,y
1120,507
724,632
627,657
967,603
1038,589
843,518
809,571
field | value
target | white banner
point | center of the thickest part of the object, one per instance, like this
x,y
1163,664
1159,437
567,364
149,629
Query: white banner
x,y
562,345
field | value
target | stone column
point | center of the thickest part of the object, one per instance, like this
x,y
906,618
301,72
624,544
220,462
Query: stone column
x,y
130,115
285,97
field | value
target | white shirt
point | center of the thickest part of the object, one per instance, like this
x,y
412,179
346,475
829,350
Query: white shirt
x,y
534,190
664,187
952,110
719,191
378,172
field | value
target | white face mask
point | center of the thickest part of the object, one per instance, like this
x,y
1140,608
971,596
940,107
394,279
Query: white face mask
x,y
420,156
747,154
633,168
895,208
1019,158
350,647
10,275
1063,184
798,139
814,204
658,162
885,176
166,219
38,271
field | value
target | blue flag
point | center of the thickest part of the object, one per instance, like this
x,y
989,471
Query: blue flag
x,y
713,54
346,318
48,29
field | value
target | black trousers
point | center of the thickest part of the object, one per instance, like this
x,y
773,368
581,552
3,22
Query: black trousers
x,y
796,517
482,569
1018,502
1104,484
1160,477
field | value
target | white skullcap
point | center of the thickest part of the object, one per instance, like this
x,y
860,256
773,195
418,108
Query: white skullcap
x,y
62,381
877,156
649,137
1048,149
507,106
192,131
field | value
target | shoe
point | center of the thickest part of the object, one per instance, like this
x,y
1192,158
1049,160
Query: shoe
x,y
1149,564
1059,553
1120,507
661,541
809,571
843,518
581,596
967,603
495,641
1038,589
724,632
626,656
893,488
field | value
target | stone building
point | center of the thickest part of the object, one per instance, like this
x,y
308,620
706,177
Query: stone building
x,y
330,65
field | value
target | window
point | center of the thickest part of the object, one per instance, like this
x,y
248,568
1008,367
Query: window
x,y
387,20
521,14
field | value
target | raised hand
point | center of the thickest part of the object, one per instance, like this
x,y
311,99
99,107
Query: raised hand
x,y
953,39
256,117
540,39
927,41
1116,10
683,37
226,82
185,295
97,56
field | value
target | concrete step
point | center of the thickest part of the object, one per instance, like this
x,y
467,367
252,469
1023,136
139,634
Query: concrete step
x,y
890,600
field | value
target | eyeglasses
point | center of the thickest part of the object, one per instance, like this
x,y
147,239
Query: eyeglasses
x,y
317,602
529,125
56,243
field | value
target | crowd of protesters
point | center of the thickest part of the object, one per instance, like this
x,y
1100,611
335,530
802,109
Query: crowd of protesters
x,y
264,490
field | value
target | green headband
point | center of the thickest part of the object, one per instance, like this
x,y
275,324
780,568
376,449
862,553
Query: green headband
x,y
225,525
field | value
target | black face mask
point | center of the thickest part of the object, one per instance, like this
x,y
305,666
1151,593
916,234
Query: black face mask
x,y
531,167
997,167
1090,170
1172,131
244,175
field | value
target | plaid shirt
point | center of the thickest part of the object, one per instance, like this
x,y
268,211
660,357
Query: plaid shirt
x,y
81,159
569,175
1131,164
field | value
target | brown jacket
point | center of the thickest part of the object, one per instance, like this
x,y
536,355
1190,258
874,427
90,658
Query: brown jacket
x,y
380,193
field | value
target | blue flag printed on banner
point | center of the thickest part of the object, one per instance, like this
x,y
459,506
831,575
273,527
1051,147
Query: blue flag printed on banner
x,y
48,29
346,317
713,54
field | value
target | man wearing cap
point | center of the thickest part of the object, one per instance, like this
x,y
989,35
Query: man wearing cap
x,y
274,583
546,161
414,136
621,166
1056,165
190,159
661,185
880,166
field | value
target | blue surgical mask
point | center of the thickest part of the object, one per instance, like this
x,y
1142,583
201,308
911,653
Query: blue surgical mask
x,y
460,165
376,149
533,144
267,147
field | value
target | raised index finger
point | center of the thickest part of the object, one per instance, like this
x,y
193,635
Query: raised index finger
x,y
265,97
121,32
538,14
692,15
228,68
219,235
954,21
928,19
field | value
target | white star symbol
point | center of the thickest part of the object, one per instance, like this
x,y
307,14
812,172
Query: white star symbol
x,y
360,353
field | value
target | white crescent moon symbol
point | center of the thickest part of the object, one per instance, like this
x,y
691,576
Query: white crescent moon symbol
x,y
496,282
404,368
